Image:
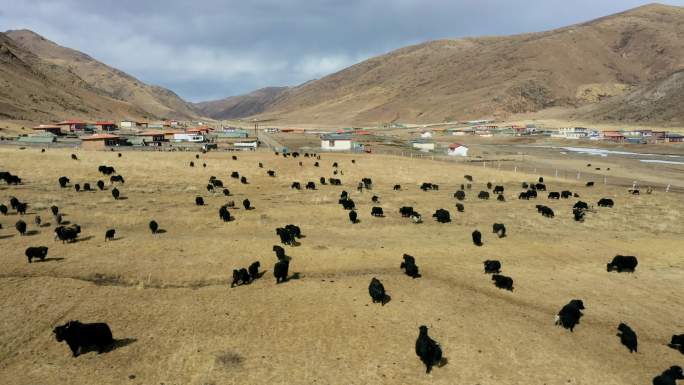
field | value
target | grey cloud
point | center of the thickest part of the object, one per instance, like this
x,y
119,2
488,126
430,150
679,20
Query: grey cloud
x,y
210,49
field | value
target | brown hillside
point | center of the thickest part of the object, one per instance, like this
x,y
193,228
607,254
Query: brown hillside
x,y
34,90
496,76
157,101
241,106
662,102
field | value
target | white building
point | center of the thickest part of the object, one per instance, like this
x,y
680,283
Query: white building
x,y
571,133
183,137
423,145
336,142
246,145
456,149
426,135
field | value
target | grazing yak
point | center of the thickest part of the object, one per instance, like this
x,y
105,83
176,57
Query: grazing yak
x,y
540,187
367,183
100,184
287,237
459,207
280,270
235,175
442,216
565,194
310,186
109,235
483,195
240,276
63,181
397,187
115,193
271,173
628,337
623,263
353,217
590,184
477,238
199,201
416,218
86,187
247,204
3,209
492,267
216,183
377,211
224,214
501,198
21,208
669,376
39,252
677,342
579,205
633,191
525,185
21,227
14,202
499,229
460,195
192,164
569,316
243,180
74,157
498,190
296,186
428,349
280,252
254,270
410,267
605,202
116,178
54,209
154,226
406,211
347,204
106,170
321,180
77,187
80,336
375,199
545,211
377,291
469,178
489,185
67,233
554,195
37,220
503,282
335,181
226,192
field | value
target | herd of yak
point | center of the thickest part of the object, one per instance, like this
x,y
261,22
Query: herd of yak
x,y
80,336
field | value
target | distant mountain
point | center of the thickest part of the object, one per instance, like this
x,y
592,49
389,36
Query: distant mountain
x,y
156,101
496,76
241,106
32,89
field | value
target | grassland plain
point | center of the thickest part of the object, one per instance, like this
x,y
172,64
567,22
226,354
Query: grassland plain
x,y
169,296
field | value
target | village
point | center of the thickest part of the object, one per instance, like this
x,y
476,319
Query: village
x,y
436,139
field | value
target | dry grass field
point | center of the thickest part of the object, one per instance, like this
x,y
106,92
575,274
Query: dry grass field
x,y
168,295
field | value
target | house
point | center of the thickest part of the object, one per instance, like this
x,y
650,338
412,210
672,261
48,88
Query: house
x,y
39,138
199,130
613,136
73,125
51,128
106,126
456,149
426,135
188,137
424,145
336,142
100,141
132,124
232,133
671,137
571,133
246,145
152,138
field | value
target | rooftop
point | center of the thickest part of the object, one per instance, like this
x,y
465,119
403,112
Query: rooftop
x,y
100,137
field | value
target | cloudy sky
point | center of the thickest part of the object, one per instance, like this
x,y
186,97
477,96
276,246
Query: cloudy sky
x,y
209,49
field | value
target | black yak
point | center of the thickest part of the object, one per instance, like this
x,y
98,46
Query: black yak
x,y
377,291
428,349
80,336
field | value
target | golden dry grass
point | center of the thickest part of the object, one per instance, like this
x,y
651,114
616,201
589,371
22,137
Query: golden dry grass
x,y
170,292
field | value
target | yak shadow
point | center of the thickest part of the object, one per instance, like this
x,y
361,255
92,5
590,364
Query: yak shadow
x,y
6,236
122,198
64,223
261,274
387,299
56,259
160,231
32,232
45,224
84,239
295,276
118,343
442,362
680,348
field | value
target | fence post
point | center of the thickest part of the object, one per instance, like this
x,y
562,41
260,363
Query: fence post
x,y
578,175
605,179
515,169
556,173
484,164
667,189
